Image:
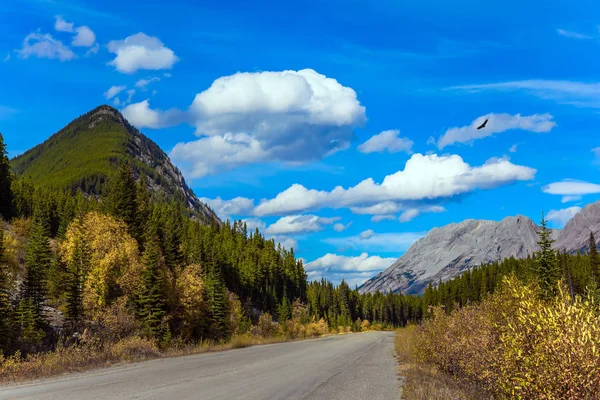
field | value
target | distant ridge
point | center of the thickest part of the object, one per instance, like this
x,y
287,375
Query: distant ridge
x,y
84,153
448,251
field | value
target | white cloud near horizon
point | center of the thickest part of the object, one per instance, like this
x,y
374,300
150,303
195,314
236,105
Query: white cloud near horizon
x,y
497,123
141,52
362,263
425,177
561,217
387,141
299,224
396,243
571,187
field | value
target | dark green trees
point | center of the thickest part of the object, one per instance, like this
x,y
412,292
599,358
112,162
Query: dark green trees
x,y
121,198
217,300
5,306
38,260
6,194
150,302
78,265
594,259
547,268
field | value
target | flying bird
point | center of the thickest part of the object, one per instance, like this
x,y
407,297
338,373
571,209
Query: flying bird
x,y
482,125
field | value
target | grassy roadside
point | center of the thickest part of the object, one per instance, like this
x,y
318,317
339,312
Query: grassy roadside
x,y
91,356
425,382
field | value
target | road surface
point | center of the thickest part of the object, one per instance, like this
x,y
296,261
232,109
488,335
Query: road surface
x,y
357,366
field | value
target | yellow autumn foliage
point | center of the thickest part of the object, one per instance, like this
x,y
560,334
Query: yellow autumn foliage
x,y
518,346
190,291
114,261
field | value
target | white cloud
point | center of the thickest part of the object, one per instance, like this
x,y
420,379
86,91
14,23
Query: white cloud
x,y
85,37
286,242
573,35
253,223
378,242
570,187
596,151
288,116
141,115
362,263
513,148
561,217
297,224
141,51
567,199
142,83
339,227
364,235
226,208
425,177
580,94
412,213
113,91
497,123
63,26
379,218
387,141
45,46
93,50
130,94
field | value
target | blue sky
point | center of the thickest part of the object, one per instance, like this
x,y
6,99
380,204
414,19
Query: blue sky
x,y
341,128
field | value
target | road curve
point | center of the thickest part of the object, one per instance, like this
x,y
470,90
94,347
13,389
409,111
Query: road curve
x,y
357,366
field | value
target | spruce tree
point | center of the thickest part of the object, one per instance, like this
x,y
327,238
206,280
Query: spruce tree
x,y
150,302
284,311
77,267
121,199
6,194
547,269
594,259
38,260
5,308
217,300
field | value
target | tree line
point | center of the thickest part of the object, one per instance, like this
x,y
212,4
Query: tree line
x,y
72,261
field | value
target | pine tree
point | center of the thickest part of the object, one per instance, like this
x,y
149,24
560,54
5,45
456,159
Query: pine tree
x,y
217,300
78,265
6,194
5,308
121,199
284,310
38,260
27,323
594,259
547,269
150,302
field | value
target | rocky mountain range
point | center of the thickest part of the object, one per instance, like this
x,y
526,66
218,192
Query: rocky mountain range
x,y
450,250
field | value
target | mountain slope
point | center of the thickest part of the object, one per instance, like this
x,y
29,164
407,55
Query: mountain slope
x,y
576,233
87,150
448,251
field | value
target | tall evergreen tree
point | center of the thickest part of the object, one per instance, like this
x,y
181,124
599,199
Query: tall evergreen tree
x,y
5,308
217,300
547,269
121,199
6,194
78,265
150,302
594,258
38,260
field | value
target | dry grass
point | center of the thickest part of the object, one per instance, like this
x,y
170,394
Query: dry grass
x,y
425,382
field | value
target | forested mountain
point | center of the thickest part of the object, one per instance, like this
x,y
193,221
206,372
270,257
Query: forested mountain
x,y
86,151
126,263
446,252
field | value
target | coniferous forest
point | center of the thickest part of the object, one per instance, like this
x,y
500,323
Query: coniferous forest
x,y
129,263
